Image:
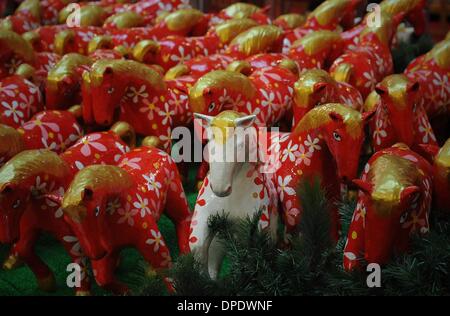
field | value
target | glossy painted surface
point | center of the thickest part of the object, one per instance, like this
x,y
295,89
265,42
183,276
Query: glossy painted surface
x,y
394,204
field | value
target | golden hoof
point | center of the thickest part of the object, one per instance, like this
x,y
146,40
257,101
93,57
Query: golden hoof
x,y
12,262
199,185
83,293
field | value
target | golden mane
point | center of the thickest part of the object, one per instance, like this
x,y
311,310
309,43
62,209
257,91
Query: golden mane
x,y
107,178
90,15
320,116
33,6
183,19
29,163
304,86
441,53
329,10
125,19
230,80
17,44
396,86
240,10
317,41
128,68
389,175
383,31
257,39
228,30
65,67
393,7
443,157
11,141
292,20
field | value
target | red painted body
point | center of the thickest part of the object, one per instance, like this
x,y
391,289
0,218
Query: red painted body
x,y
129,218
53,130
313,24
396,122
370,62
327,151
374,237
149,110
95,148
19,100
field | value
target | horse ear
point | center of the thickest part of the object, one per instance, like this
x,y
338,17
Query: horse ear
x,y
206,118
380,90
413,86
336,117
408,192
108,71
319,87
367,116
362,185
245,121
6,189
87,194
207,91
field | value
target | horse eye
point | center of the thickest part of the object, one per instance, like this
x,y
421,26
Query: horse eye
x,y
211,107
403,218
110,90
337,137
16,204
97,210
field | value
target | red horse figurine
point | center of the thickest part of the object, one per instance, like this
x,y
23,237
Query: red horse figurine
x,y
370,61
111,207
316,87
394,203
326,143
400,117
25,182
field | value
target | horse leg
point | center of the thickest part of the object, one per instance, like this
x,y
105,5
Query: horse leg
x,y
202,172
70,244
354,246
13,261
177,209
215,257
200,238
25,251
155,251
104,274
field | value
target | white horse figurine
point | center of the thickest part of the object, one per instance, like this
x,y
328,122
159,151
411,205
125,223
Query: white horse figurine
x,y
234,186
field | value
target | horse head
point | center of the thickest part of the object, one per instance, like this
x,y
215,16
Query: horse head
x,y
124,20
387,194
12,44
109,80
329,13
220,90
310,90
90,15
342,129
63,81
85,204
229,146
26,176
258,39
398,95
